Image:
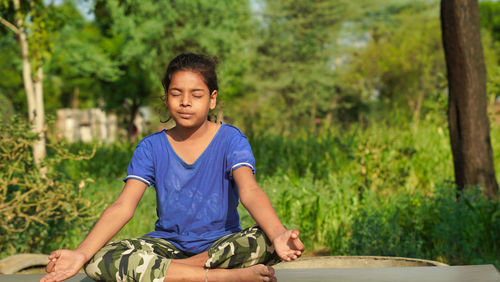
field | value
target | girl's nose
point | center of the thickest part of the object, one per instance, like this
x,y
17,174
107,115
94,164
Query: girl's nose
x,y
186,100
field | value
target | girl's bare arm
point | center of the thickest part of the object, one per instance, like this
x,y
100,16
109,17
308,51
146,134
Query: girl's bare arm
x,y
113,218
257,203
286,242
66,263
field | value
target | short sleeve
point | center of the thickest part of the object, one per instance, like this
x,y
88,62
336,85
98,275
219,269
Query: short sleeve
x,y
141,167
240,154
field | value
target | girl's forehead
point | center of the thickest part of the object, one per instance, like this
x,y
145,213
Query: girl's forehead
x,y
187,78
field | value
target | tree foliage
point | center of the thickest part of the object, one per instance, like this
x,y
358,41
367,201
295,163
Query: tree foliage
x,y
489,11
285,66
295,80
402,66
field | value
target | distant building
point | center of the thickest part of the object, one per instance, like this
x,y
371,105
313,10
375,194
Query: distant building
x,y
86,125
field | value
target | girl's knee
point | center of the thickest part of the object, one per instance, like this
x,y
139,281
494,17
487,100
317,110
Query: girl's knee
x,y
137,267
127,260
102,264
246,248
94,269
106,263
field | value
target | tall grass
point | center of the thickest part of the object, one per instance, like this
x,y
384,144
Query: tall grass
x,y
382,158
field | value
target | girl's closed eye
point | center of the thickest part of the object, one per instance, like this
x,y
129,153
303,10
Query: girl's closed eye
x,y
197,94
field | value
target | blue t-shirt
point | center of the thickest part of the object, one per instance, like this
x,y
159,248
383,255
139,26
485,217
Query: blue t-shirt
x,y
195,203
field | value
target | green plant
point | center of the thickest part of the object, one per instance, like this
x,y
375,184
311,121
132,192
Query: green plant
x,y
38,207
438,225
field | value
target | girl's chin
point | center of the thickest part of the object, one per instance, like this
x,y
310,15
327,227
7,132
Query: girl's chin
x,y
189,124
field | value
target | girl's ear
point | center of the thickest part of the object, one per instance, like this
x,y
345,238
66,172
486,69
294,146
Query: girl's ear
x,y
213,100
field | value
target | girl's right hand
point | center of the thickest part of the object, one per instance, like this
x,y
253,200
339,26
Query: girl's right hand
x,y
288,245
63,265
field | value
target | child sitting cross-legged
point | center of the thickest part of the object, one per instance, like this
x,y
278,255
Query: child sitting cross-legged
x,y
200,170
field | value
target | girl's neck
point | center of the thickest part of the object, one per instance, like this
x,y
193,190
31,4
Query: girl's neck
x,y
182,133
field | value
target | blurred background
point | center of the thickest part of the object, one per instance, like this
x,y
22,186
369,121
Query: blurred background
x,y
344,103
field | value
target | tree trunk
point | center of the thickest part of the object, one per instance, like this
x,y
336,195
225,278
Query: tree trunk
x,y
39,121
34,90
27,78
467,112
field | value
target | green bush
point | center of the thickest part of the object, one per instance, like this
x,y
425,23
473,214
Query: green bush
x,y
440,225
461,228
40,210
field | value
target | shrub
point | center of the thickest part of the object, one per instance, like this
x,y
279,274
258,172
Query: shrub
x,y
439,226
38,207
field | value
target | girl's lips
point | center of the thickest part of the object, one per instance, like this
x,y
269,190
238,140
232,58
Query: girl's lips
x,y
185,115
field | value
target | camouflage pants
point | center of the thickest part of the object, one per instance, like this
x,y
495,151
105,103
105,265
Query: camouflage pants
x,y
148,258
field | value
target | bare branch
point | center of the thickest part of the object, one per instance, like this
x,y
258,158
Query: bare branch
x,y
9,25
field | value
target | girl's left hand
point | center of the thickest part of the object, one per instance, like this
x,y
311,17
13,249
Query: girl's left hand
x,y
63,264
288,245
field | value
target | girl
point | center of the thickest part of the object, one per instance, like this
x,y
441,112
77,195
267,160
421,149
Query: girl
x,y
199,169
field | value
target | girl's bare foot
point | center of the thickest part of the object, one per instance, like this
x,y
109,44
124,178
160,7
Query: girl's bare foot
x,y
258,272
184,272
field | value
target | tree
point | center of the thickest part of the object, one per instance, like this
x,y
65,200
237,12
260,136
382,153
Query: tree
x,y
467,113
80,60
293,80
401,68
29,26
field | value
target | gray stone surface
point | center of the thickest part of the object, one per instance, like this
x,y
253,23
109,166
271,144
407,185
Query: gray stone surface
x,y
15,263
36,277
355,262
476,273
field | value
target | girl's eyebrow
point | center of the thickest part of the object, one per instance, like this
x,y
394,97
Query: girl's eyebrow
x,y
178,89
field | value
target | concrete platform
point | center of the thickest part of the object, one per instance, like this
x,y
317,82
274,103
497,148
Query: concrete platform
x,y
356,262
469,273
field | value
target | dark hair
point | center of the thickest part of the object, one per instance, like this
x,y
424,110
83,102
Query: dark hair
x,y
196,63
